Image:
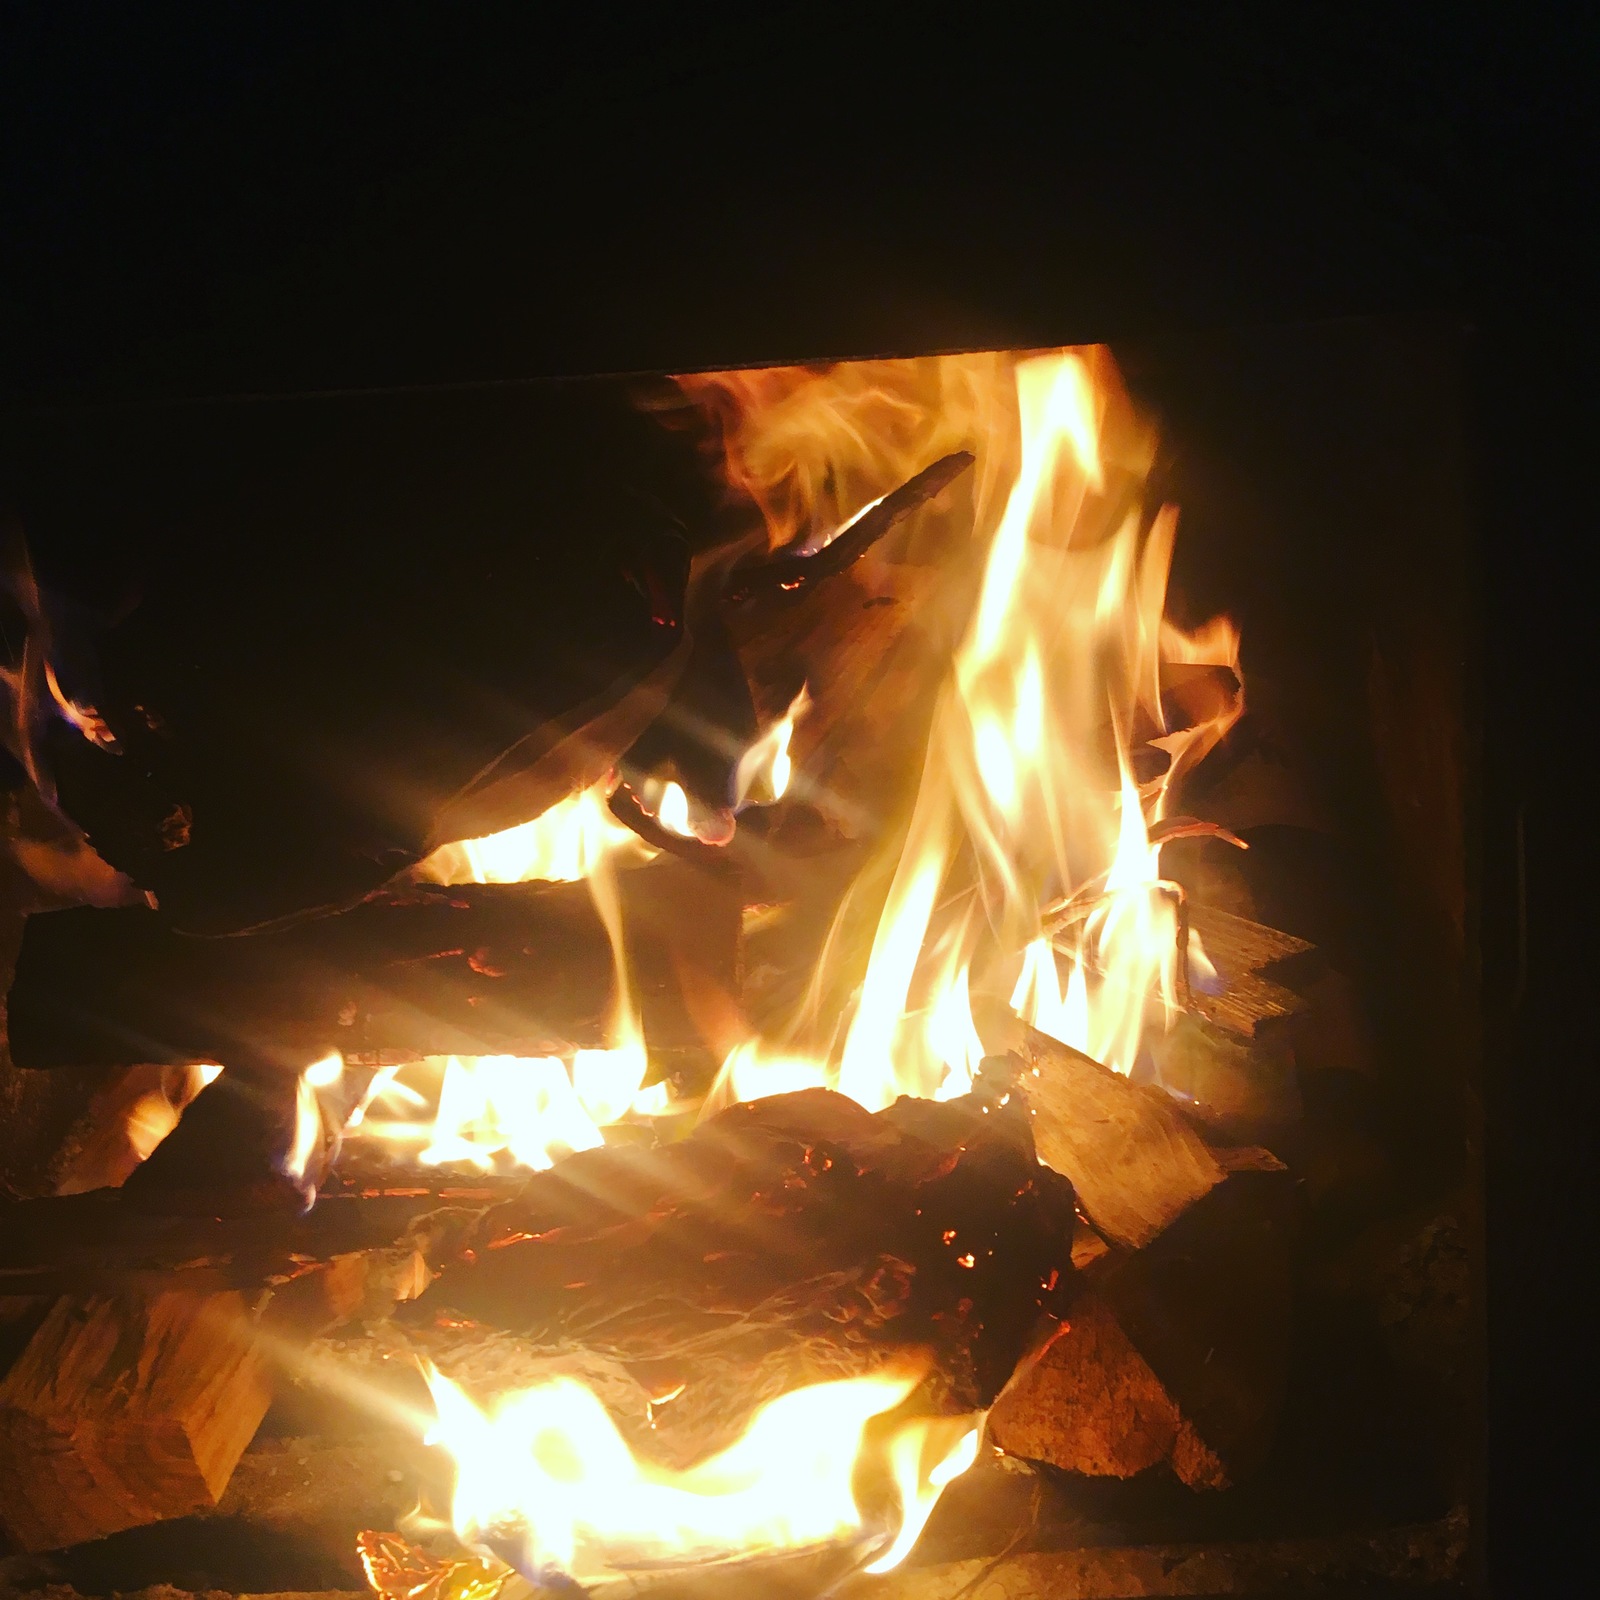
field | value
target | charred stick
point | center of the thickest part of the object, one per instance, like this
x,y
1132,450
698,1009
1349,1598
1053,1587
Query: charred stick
x,y
791,571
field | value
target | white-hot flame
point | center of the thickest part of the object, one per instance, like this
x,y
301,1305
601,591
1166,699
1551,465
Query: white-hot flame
x,y
545,1477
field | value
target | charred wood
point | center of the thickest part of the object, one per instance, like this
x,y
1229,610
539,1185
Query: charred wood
x,y
304,764
512,969
789,571
796,1217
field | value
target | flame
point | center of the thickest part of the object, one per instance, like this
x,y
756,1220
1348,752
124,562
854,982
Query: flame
x,y
545,1478
751,1072
315,1121
818,448
85,718
154,1115
765,769
924,1463
564,844
1027,871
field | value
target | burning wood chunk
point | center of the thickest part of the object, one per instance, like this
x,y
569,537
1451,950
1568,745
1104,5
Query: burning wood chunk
x,y
1176,1353
797,1218
1133,1159
481,969
251,1141
123,1411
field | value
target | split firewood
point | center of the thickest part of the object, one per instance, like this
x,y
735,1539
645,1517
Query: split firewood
x,y
1237,1086
98,1244
1177,1353
484,969
1243,1001
254,1139
1134,1160
1091,1404
123,1411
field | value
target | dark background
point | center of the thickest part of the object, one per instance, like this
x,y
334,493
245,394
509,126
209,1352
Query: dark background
x,y
250,200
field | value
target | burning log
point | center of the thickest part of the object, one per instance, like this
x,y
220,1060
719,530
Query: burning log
x,y
1176,1353
125,1411
793,1218
1134,1161
485,969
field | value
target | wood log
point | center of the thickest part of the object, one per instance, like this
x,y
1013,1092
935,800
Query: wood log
x,y
126,1411
1135,1162
403,671
98,1244
1240,1088
1091,1404
1177,1353
486,969
1240,950
800,1223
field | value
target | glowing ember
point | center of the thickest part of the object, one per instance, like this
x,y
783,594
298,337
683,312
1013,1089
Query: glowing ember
x,y
544,1479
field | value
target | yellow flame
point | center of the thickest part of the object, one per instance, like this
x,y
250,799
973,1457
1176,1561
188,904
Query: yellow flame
x,y
471,1110
547,1468
764,770
924,1462
312,1121
1027,802
564,844
751,1072
673,810
156,1112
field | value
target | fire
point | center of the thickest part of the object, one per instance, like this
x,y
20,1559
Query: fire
x,y
765,769
316,1120
1028,872
564,844
544,1479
